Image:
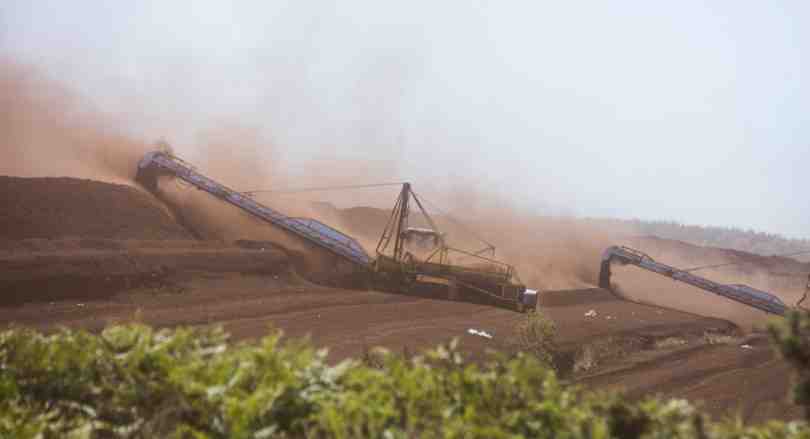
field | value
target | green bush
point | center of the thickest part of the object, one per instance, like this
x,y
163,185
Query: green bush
x,y
136,382
792,340
535,335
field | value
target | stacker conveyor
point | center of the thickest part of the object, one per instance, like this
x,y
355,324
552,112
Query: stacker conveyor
x,y
739,293
158,163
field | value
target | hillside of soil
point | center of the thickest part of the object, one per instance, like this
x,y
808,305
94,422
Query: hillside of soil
x,y
69,207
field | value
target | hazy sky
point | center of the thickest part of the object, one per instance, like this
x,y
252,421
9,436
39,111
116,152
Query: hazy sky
x,y
685,110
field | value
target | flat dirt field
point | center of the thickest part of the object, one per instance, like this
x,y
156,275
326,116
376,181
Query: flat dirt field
x,y
94,267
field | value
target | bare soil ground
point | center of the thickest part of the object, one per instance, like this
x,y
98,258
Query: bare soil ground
x,y
117,270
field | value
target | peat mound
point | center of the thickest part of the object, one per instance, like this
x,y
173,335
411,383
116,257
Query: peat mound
x,y
62,207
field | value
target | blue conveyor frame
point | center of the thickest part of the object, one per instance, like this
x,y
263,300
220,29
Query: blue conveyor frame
x,y
739,293
160,163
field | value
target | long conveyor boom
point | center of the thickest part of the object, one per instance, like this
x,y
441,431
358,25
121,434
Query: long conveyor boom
x,y
740,293
159,163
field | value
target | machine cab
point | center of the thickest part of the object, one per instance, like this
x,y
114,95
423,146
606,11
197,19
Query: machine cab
x,y
422,238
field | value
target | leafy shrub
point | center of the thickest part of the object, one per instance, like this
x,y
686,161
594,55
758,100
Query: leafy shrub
x,y
535,335
590,355
792,340
136,382
713,338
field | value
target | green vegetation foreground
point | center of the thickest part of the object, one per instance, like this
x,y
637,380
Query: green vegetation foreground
x,y
133,381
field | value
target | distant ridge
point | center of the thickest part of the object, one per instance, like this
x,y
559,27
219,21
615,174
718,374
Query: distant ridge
x,y
751,241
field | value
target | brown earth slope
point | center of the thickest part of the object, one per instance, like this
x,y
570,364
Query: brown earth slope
x,y
62,207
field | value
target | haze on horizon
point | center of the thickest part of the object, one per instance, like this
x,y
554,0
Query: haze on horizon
x,y
681,111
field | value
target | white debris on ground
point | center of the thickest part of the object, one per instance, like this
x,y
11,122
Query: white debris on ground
x,y
479,333
591,313
746,346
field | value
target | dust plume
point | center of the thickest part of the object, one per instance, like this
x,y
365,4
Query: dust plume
x,y
212,219
50,131
240,157
549,253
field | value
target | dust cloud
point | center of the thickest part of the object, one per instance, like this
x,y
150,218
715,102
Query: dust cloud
x,y
239,157
549,253
50,131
